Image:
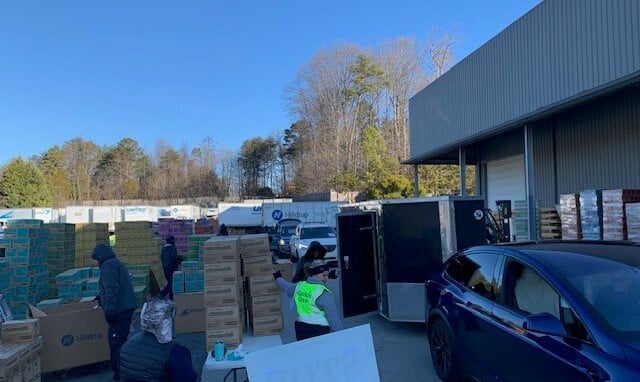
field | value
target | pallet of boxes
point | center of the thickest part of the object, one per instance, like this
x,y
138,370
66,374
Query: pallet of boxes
x,y
20,351
264,304
223,292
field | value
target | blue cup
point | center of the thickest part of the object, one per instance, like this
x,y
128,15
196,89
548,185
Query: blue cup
x,y
218,350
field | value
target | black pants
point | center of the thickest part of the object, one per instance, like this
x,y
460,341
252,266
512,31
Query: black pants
x,y
168,289
304,330
118,333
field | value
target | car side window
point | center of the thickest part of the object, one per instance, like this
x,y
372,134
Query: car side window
x,y
475,271
526,291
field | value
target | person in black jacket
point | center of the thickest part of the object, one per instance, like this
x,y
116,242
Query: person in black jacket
x,y
153,355
117,299
170,263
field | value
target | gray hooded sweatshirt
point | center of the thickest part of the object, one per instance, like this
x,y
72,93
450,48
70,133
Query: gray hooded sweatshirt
x,y
116,289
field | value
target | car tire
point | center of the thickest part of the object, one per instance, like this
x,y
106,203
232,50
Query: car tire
x,y
442,350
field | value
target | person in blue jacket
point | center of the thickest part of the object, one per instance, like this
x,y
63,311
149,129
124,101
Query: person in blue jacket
x,y
152,354
117,299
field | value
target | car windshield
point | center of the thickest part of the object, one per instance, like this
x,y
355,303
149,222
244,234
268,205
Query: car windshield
x,y
610,288
317,233
288,231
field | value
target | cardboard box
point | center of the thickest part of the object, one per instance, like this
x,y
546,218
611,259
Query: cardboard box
x,y
265,305
190,313
227,316
9,362
254,245
232,337
263,285
267,325
20,331
221,294
220,273
287,270
72,335
257,266
220,249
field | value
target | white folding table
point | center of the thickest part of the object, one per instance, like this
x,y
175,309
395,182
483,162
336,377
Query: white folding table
x,y
250,344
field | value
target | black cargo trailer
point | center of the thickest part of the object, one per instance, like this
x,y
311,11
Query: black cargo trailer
x,y
388,249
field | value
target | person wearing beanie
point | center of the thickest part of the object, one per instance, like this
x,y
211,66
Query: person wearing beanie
x,y
152,354
170,263
316,308
117,299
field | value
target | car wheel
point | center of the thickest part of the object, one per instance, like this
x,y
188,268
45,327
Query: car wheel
x,y
443,353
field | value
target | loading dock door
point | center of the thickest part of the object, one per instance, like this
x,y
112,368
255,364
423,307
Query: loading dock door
x,y
505,180
356,245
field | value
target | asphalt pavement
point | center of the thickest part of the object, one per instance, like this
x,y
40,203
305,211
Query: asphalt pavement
x,y
401,349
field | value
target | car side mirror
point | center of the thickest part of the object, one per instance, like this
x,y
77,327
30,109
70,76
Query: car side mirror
x,y
544,323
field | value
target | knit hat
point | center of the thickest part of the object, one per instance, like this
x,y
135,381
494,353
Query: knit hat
x,y
170,239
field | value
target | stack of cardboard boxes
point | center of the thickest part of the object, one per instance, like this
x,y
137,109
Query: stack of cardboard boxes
x,y
195,248
61,253
87,236
180,229
570,216
223,292
614,219
20,351
136,244
25,243
76,283
140,279
263,303
190,279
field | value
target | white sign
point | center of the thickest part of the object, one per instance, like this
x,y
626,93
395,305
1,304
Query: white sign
x,y
347,355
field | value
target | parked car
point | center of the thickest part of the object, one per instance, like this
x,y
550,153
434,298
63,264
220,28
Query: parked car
x,y
555,311
305,233
285,229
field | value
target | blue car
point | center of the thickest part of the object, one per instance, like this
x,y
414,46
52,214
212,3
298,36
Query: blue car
x,y
548,311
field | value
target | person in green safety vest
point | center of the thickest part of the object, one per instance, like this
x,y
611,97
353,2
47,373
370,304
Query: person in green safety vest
x,y
316,308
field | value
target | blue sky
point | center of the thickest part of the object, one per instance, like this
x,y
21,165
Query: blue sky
x,y
181,71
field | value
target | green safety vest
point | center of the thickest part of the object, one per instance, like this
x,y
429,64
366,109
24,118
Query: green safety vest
x,y
305,298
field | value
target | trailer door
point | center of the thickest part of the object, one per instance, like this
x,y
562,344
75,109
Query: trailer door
x,y
356,246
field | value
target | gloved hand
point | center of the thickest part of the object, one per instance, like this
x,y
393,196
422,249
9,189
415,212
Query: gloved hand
x,y
277,275
333,274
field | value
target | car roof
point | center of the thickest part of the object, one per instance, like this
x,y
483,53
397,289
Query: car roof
x,y
313,224
544,251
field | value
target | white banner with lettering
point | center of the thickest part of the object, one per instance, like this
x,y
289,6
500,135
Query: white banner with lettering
x,y
347,355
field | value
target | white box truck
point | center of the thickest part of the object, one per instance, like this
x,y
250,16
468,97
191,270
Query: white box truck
x,y
241,215
320,212
78,214
140,213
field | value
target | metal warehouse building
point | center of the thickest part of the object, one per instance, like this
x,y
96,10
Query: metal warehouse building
x,y
549,106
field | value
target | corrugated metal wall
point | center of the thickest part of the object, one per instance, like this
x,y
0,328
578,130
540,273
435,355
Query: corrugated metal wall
x,y
544,165
598,145
559,52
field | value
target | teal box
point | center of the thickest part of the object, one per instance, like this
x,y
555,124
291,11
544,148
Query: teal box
x,y
190,277
67,277
178,276
92,283
88,293
95,272
84,272
178,287
193,265
50,302
190,286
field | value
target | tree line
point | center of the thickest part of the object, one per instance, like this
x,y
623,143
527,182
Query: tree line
x,y
351,133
